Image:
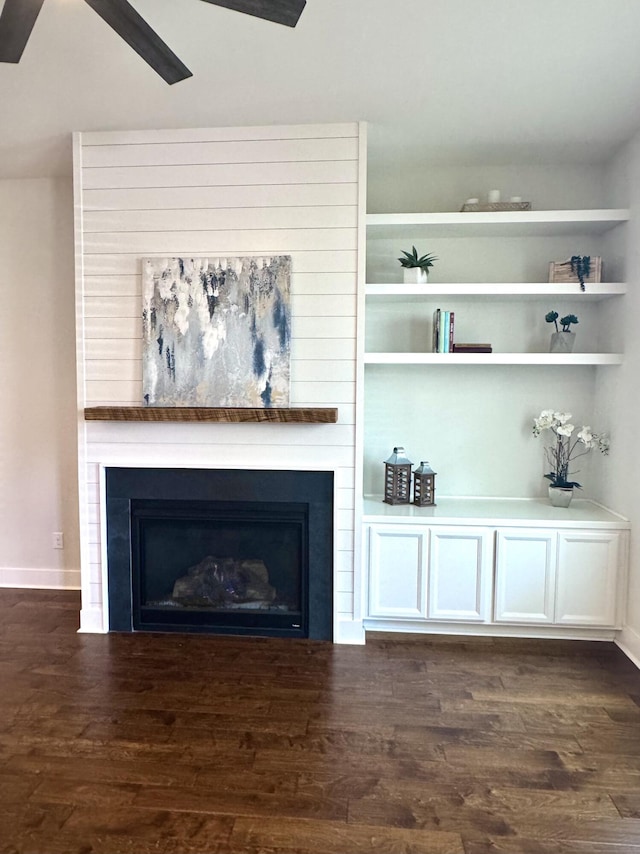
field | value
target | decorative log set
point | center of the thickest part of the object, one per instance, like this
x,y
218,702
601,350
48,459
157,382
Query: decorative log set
x,y
224,583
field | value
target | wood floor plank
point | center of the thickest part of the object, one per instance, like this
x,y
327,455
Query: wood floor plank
x,y
446,736
628,803
130,830
291,836
216,801
538,846
118,771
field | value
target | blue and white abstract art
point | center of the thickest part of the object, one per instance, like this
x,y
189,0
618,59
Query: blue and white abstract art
x,y
217,331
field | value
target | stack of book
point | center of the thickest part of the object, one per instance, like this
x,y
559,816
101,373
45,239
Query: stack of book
x,y
443,325
472,348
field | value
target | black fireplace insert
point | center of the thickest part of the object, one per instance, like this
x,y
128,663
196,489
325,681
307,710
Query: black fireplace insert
x,y
220,551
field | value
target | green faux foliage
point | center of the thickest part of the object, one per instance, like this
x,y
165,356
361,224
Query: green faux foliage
x,y
566,321
581,267
561,483
411,260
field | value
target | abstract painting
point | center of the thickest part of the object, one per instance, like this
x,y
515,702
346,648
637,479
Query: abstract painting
x,y
217,331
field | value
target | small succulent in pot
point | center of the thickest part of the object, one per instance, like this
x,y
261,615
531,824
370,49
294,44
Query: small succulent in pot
x,y
566,321
411,259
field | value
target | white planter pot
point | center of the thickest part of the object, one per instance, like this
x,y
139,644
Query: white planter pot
x,y
414,276
562,342
560,496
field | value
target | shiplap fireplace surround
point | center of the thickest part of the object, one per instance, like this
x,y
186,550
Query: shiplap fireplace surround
x,y
295,190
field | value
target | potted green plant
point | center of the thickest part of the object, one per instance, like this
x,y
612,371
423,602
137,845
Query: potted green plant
x,y
416,268
563,449
562,340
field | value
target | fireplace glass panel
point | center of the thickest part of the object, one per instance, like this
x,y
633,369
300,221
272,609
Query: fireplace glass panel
x,y
219,564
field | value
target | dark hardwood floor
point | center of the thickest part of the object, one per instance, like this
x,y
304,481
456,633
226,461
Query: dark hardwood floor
x,y
176,744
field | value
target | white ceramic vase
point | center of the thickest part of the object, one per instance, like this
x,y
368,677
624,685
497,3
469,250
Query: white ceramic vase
x,y
562,342
415,276
560,496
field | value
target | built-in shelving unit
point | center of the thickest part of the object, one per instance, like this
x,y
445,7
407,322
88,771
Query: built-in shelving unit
x,y
508,314
495,225
483,564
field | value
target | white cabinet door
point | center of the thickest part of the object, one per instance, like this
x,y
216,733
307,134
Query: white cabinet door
x,y
525,575
460,561
398,571
587,578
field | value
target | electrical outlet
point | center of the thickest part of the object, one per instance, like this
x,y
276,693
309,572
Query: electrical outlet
x,y
58,540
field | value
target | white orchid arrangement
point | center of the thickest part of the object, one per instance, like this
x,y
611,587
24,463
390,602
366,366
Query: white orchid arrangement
x,y
566,447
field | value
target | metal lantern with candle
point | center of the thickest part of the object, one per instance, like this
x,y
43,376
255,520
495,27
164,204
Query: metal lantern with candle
x,y
397,478
424,485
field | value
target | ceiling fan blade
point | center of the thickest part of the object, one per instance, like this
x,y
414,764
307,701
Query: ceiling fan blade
x,y
16,22
123,18
285,12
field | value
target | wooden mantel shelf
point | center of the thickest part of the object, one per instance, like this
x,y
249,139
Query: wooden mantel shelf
x,y
293,415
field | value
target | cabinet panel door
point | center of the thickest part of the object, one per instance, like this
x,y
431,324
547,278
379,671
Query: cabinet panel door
x,y
459,563
525,575
587,576
398,571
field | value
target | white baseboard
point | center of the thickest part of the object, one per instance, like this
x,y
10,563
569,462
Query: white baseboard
x,y
349,631
629,642
92,621
43,578
493,630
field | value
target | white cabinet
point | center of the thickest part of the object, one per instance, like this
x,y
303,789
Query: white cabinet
x,y
417,572
460,561
587,572
558,577
397,571
460,569
525,576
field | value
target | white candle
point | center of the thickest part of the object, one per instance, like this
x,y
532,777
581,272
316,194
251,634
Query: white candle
x,y
493,196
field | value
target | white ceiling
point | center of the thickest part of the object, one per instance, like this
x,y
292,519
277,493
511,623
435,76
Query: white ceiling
x,y
451,80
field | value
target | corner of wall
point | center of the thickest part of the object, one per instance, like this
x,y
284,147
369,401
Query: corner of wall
x,y
629,642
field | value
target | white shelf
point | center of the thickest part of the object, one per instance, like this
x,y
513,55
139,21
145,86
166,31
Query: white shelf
x,y
497,290
508,223
498,511
492,359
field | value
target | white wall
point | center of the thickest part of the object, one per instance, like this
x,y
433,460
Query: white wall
x,y
618,395
38,486
219,192
406,186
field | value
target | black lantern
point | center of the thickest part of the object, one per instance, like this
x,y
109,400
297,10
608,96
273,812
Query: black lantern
x,y
397,478
424,485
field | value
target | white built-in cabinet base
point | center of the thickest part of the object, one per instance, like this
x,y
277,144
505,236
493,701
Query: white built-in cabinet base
x,y
496,567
